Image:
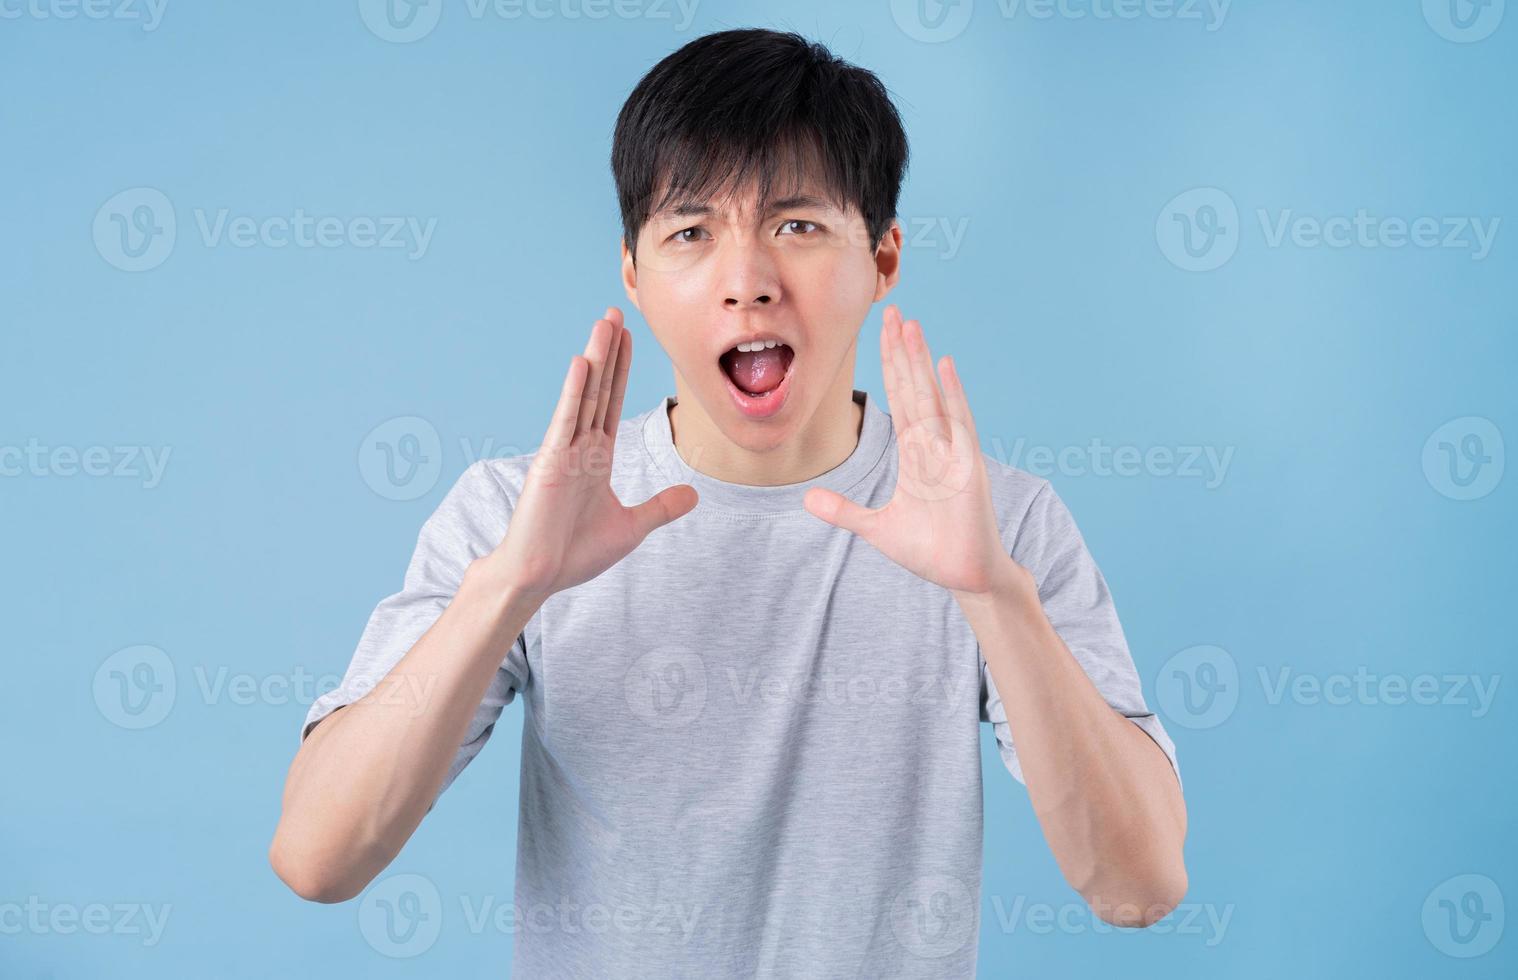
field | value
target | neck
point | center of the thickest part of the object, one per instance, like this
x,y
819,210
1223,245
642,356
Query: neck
x,y
824,441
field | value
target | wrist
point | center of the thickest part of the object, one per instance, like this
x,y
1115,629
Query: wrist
x,y
492,587
1009,586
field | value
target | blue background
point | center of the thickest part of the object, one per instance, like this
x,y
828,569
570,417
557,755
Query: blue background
x,y
1053,145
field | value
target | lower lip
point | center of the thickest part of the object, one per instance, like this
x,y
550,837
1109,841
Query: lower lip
x,y
765,405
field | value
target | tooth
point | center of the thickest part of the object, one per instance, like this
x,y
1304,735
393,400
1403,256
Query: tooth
x,y
770,343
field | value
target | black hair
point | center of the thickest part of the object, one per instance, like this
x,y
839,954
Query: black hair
x,y
756,104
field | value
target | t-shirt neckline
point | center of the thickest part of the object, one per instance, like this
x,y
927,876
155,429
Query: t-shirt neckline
x,y
785,499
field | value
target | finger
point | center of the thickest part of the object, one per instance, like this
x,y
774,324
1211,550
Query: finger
x,y
928,405
595,353
561,430
619,382
900,373
614,314
954,394
608,374
840,511
665,506
889,316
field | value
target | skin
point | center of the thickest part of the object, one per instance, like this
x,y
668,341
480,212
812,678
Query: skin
x,y
804,272
1106,798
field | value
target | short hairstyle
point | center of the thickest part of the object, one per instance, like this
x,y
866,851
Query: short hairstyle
x,y
757,105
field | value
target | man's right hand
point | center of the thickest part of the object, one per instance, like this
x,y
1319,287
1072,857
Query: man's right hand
x,y
364,778
568,525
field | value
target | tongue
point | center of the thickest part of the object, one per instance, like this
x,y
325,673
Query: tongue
x,y
756,371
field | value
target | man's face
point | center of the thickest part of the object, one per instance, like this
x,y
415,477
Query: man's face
x,y
795,273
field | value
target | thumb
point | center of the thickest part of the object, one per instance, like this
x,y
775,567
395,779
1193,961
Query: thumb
x,y
840,511
663,507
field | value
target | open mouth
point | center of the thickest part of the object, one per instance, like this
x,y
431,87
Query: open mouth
x,y
758,374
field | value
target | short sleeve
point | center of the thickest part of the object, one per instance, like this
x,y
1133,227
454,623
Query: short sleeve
x,y
468,524
1079,606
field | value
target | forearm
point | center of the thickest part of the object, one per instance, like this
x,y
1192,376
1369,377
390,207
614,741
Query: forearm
x,y
367,774
1104,792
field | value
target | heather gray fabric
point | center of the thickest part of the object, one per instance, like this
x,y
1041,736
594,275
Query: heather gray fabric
x,y
752,747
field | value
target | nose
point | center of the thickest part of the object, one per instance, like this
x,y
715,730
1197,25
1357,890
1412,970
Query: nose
x,y
749,279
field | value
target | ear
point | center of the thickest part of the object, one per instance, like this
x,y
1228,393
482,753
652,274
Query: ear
x,y
629,275
887,261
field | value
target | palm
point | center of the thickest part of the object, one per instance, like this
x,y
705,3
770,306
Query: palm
x,y
939,523
568,525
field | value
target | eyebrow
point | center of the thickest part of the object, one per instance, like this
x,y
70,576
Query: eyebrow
x,y
687,209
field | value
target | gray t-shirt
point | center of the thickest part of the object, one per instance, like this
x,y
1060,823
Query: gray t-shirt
x,y
752,747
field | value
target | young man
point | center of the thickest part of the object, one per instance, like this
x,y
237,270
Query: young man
x,y
752,701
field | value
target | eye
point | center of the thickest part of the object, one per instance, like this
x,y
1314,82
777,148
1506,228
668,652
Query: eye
x,y
679,236
810,226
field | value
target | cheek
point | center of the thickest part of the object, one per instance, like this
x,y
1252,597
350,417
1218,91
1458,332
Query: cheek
x,y
835,286
673,305
669,287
